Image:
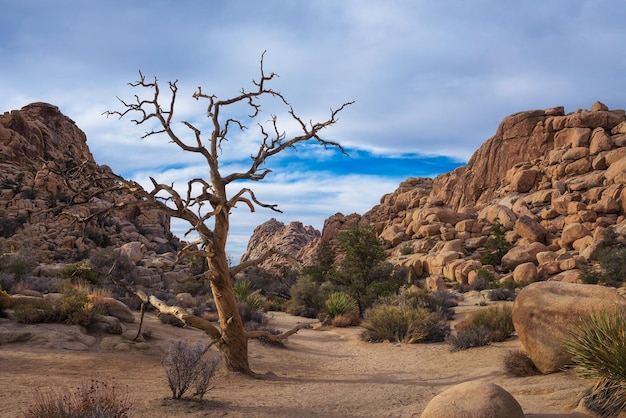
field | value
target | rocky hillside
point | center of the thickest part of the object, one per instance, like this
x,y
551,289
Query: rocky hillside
x,y
554,181
44,161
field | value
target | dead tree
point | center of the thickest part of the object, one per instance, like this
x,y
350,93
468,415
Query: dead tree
x,y
206,199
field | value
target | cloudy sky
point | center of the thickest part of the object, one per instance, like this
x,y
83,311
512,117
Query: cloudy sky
x,y
431,81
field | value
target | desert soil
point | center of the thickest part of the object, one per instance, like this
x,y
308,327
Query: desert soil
x,y
322,372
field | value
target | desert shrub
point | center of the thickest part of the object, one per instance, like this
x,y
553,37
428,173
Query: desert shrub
x,y
244,293
307,298
346,320
440,302
484,327
611,269
110,265
479,283
517,363
406,249
99,238
80,272
501,293
73,307
497,245
186,366
607,398
9,226
7,281
90,399
17,265
403,324
250,314
340,303
598,346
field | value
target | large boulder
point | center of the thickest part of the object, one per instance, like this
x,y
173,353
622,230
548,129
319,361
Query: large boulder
x,y
522,254
473,400
545,313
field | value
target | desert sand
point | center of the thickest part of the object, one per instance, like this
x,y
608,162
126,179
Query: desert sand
x,y
322,372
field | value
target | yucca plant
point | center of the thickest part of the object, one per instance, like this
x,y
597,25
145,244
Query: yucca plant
x,y
244,293
340,303
598,348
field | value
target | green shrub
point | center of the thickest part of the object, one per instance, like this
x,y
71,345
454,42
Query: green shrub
x,y
440,302
483,327
307,298
403,324
340,303
501,293
244,293
78,272
73,308
406,249
598,346
17,265
92,399
518,364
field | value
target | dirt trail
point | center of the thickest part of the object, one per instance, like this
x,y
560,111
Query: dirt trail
x,y
323,372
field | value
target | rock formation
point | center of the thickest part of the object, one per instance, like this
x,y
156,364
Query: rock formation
x,y
554,181
40,152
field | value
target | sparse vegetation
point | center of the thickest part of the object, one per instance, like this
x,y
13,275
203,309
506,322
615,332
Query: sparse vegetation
x,y
483,327
610,269
90,399
598,349
186,367
518,364
307,298
341,304
403,324
497,245
80,272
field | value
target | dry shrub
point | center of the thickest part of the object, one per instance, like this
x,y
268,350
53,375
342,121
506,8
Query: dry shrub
x,y
607,399
403,324
186,366
482,328
346,320
517,363
90,399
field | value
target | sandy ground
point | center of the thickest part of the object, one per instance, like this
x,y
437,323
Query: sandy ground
x,y
323,372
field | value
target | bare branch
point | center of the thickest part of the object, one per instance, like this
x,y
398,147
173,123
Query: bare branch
x,y
280,337
188,319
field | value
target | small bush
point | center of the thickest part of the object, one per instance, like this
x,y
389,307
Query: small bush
x,y
307,298
92,399
340,303
186,367
406,249
440,302
250,314
244,293
482,328
73,308
517,363
17,265
501,293
78,272
346,320
403,324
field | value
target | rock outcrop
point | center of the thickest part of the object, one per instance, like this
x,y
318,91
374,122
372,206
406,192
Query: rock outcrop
x,y
41,152
545,314
554,181
473,400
